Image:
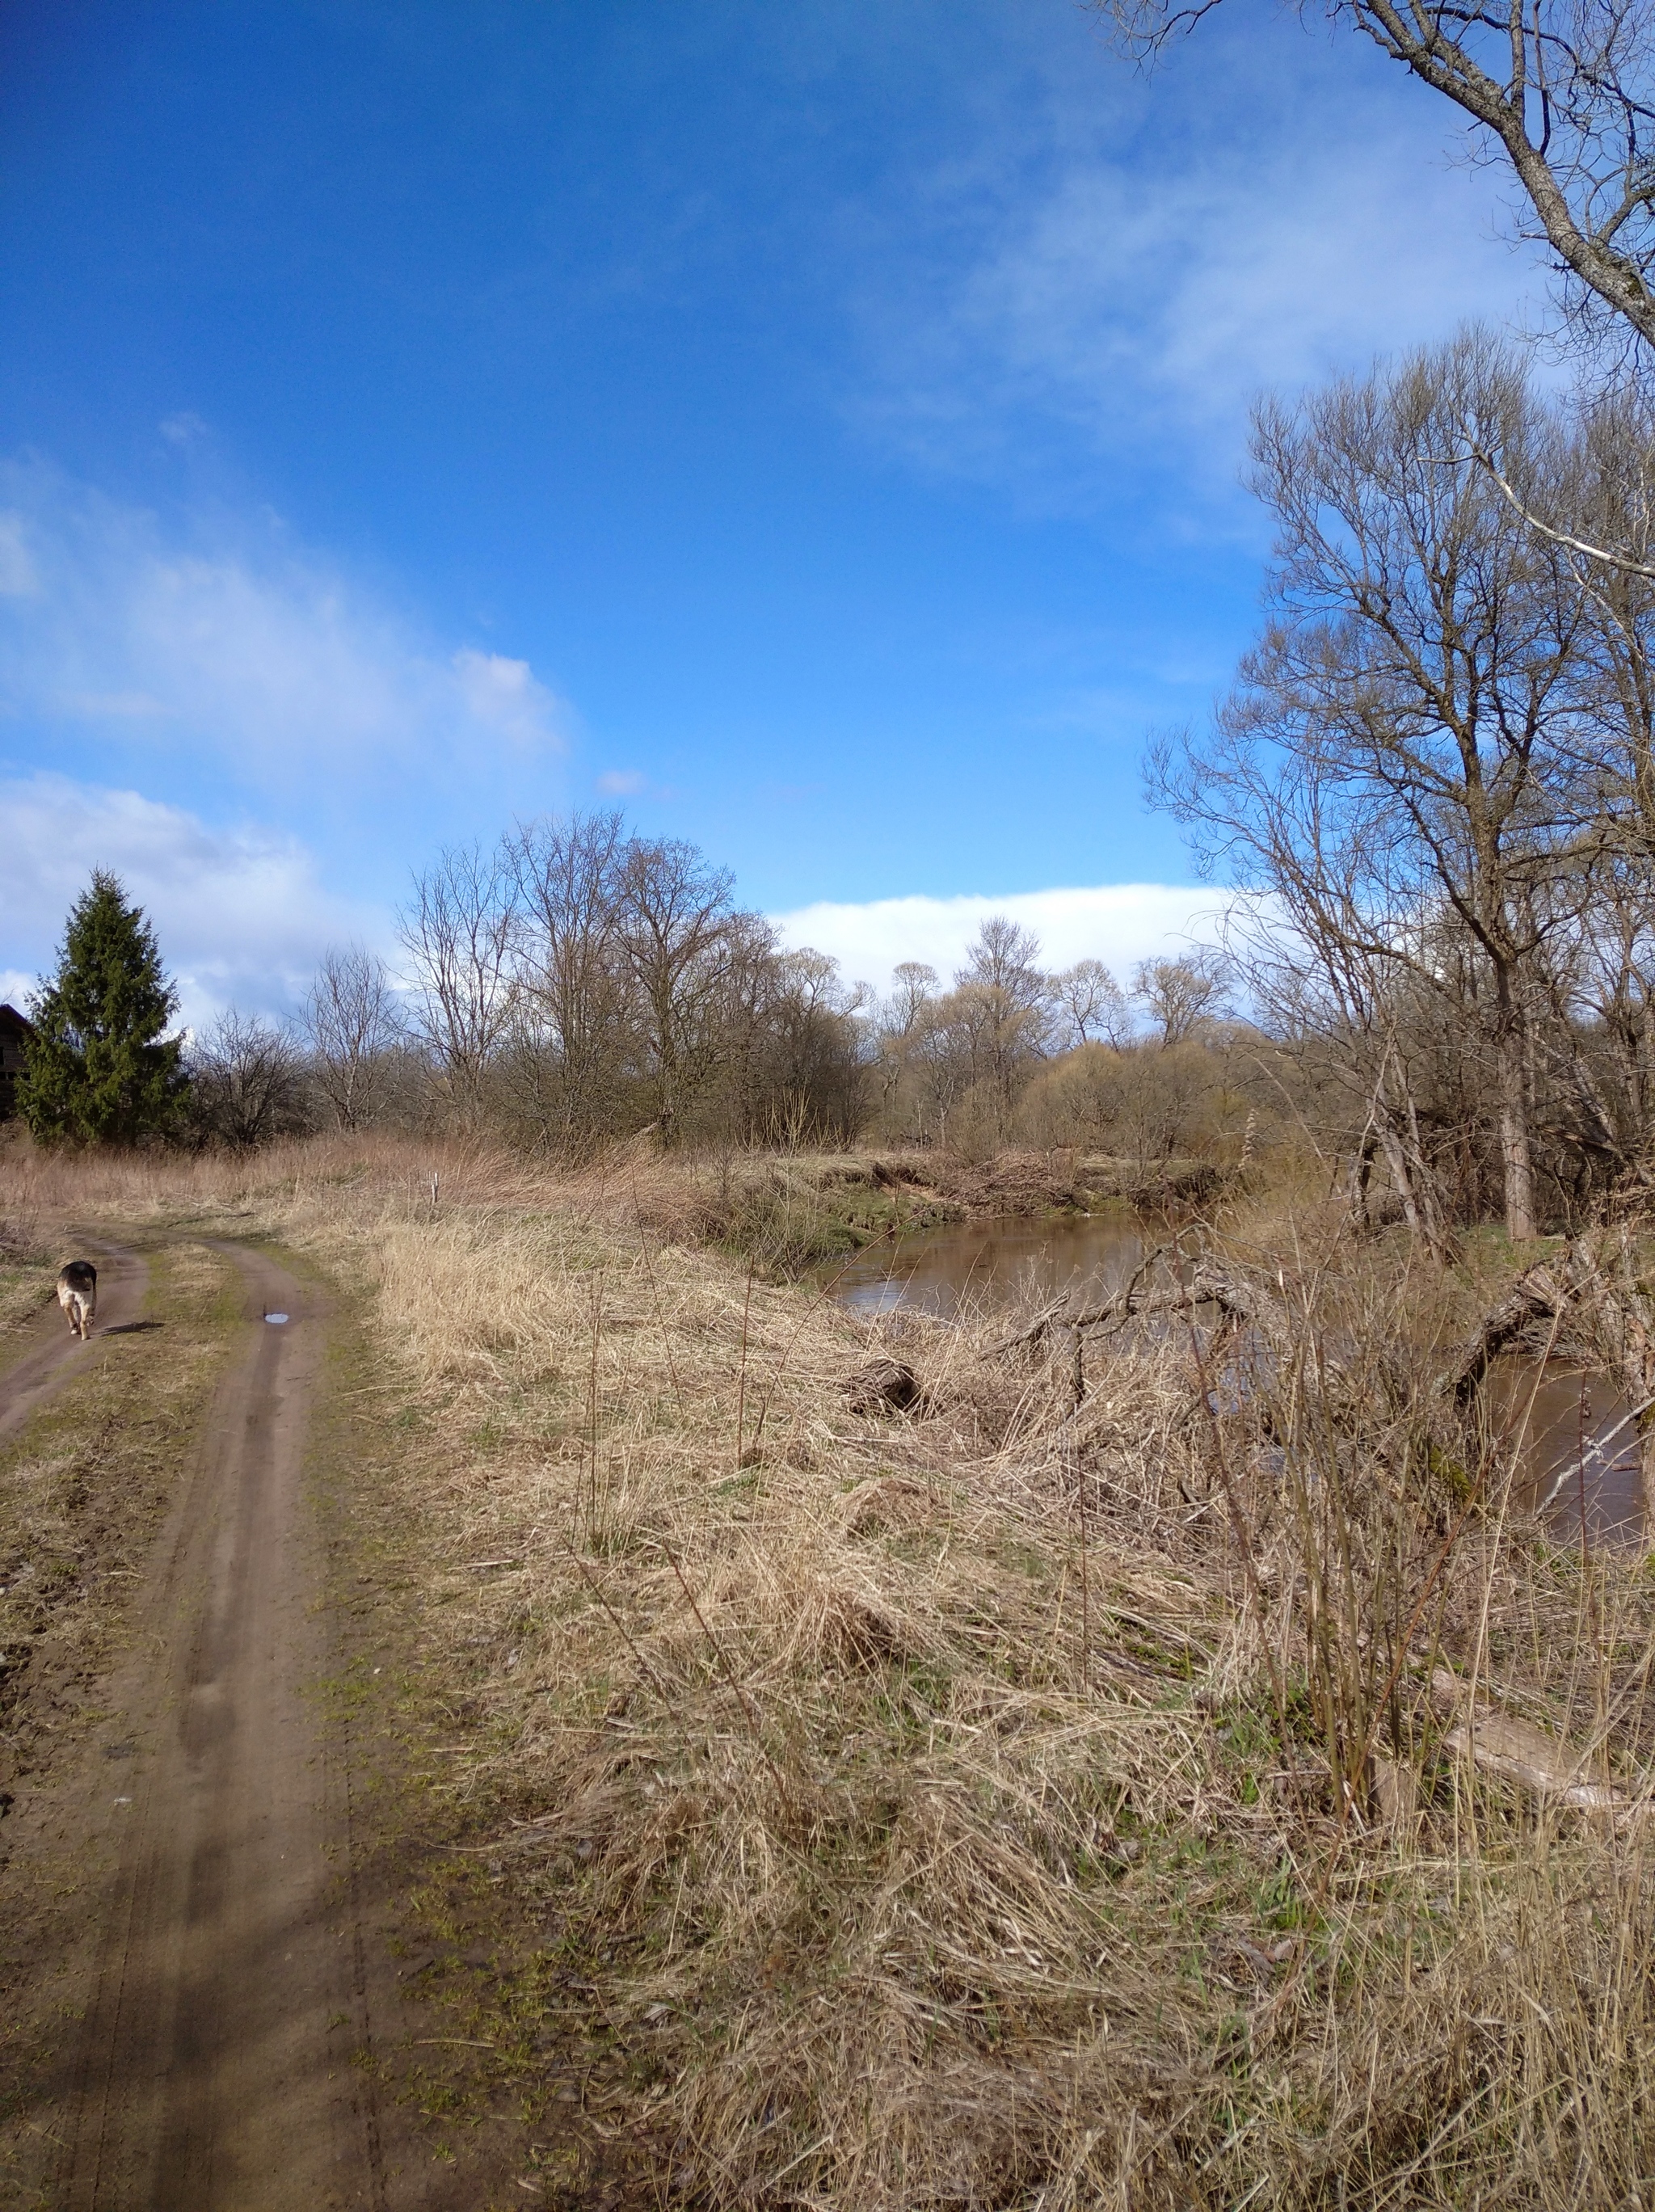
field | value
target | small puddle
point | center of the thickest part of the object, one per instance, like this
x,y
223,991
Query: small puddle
x,y
1580,1464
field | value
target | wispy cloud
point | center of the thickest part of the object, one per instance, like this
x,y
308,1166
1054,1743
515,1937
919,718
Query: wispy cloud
x,y
221,640
1119,923
1250,218
241,915
504,696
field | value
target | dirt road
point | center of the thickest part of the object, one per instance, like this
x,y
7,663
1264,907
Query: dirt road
x,y
31,1379
214,2072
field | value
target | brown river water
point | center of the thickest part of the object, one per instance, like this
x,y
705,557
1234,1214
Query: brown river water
x,y
1578,1462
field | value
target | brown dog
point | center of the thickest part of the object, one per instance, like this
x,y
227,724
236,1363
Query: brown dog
x,y
77,1294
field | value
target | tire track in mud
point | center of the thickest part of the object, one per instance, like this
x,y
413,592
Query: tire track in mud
x,y
214,2070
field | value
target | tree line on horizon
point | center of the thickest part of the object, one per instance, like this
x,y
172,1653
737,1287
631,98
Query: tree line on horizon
x,y
572,985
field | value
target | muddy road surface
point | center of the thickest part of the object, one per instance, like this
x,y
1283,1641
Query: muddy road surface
x,y
48,1356
222,2000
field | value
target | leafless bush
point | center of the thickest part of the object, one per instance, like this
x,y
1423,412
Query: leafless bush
x,y
247,1082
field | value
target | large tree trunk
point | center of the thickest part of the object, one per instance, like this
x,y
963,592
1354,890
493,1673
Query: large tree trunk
x,y
1515,1159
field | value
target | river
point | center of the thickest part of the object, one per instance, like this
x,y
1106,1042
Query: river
x,y
1578,1463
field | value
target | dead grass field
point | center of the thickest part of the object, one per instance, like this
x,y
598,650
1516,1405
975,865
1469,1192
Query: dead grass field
x,y
26,1285
998,1805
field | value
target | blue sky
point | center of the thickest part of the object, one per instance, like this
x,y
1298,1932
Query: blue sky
x,y
814,429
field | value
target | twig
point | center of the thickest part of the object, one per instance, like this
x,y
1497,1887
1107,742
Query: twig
x,y
591,1401
1086,1588
653,1678
825,1292
1597,1447
1382,1704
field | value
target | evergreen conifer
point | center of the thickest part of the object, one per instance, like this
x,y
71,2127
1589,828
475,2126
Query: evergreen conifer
x,y
101,1069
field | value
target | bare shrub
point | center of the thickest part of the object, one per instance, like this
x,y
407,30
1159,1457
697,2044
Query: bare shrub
x,y
247,1082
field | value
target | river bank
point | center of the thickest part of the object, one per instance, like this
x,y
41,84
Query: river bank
x,y
792,1212
1171,1798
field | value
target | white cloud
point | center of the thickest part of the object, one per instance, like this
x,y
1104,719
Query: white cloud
x,y
621,782
503,696
1261,214
227,643
1119,923
240,914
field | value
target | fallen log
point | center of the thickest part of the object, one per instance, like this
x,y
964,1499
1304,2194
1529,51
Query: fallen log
x,y
1031,1333
1512,1751
1595,1314
1207,1284
1541,1294
1590,1310
1516,1750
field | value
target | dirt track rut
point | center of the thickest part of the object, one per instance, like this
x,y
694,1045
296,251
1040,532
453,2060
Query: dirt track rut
x,y
214,2073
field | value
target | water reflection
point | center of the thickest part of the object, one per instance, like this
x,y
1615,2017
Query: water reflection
x,y
987,1264
1578,1455
1578,1449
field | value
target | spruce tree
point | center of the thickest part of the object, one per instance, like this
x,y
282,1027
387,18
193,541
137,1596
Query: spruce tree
x,y
101,1069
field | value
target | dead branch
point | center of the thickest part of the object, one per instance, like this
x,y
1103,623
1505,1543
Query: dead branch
x,y
1208,1283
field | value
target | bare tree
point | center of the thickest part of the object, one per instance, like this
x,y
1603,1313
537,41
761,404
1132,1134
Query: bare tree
x,y
458,935
912,983
1092,1004
1560,91
811,1060
1002,998
247,1082
575,985
351,1024
1407,728
1181,995
898,1022
674,911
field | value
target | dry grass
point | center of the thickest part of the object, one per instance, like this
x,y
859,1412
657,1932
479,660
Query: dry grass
x,y
26,1285
1000,1807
